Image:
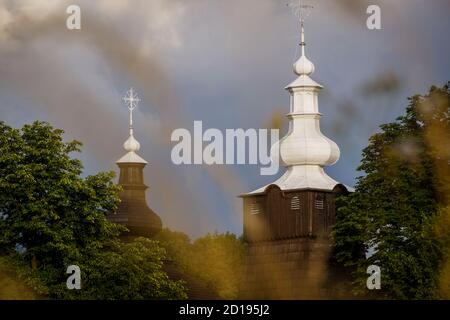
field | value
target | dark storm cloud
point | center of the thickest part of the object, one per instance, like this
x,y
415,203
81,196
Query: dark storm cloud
x,y
223,62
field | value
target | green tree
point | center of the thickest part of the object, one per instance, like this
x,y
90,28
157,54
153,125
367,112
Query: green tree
x,y
51,217
123,271
12,287
218,259
46,206
390,219
214,259
178,246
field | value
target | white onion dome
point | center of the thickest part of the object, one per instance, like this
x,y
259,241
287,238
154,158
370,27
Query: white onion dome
x,y
312,148
303,66
132,144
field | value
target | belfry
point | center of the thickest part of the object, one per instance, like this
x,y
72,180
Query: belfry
x,y
287,223
133,211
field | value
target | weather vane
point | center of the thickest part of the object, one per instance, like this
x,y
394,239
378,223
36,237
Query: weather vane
x,y
132,101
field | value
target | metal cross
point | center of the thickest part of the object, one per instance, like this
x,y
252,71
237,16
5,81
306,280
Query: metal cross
x,y
132,101
301,11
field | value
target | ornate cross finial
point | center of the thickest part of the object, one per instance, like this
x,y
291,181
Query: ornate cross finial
x,y
132,100
301,11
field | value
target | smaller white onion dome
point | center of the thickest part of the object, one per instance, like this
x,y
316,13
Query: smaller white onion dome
x,y
303,66
132,144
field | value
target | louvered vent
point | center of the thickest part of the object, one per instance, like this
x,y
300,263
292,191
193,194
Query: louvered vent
x,y
319,204
295,203
255,207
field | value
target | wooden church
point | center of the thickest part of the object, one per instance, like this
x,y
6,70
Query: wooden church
x,y
135,214
133,211
287,223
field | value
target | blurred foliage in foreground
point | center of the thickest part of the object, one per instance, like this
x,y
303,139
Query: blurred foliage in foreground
x,y
11,285
399,216
215,259
51,217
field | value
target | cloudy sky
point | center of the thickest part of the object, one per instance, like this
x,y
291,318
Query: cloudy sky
x,y
223,62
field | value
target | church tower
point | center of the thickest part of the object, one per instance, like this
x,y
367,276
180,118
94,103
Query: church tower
x,y
133,211
287,223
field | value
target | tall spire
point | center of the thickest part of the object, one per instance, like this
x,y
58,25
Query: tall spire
x,y
305,151
131,144
302,37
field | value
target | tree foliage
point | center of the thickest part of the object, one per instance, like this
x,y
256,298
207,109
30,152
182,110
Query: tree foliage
x,y
215,259
122,271
51,217
390,220
12,286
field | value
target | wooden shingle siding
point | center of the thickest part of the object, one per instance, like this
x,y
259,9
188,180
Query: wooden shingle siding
x,y
288,214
